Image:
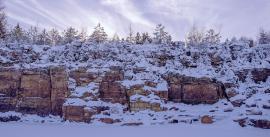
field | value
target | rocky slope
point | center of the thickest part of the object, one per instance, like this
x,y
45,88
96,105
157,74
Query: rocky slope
x,y
118,83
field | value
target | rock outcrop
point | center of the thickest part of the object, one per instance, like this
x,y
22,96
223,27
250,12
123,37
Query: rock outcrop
x,y
194,90
33,91
111,89
9,87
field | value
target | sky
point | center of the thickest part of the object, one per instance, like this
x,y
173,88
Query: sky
x,y
230,17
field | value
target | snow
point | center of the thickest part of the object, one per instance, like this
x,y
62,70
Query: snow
x,y
98,58
84,130
81,90
150,98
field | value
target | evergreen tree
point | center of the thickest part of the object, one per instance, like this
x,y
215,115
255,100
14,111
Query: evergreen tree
x,y
146,38
161,36
138,38
17,34
115,38
99,35
211,37
54,37
194,36
3,22
43,38
264,37
70,34
32,35
82,35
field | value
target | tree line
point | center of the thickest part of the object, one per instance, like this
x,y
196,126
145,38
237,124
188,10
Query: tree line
x,y
53,37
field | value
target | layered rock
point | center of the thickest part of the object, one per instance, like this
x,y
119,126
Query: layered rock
x,y
9,82
34,91
59,89
194,90
111,89
9,86
74,113
147,96
139,105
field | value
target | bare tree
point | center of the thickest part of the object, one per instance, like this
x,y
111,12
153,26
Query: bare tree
x,y
54,37
194,36
32,34
130,37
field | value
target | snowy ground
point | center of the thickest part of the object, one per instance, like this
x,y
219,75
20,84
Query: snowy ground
x,y
84,130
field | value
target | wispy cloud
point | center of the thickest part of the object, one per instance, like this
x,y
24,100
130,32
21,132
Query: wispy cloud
x,y
237,17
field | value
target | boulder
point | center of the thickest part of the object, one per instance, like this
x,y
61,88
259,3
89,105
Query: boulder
x,y
259,123
9,118
81,113
242,75
107,120
74,113
238,102
207,120
260,75
265,124
200,93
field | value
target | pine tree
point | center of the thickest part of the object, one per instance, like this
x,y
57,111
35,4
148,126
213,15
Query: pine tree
x,y
115,38
3,22
146,38
54,37
161,36
43,38
264,37
138,38
99,35
82,35
70,34
17,34
32,35
130,37
211,37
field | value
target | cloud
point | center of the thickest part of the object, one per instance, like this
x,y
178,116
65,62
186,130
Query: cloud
x,y
234,17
